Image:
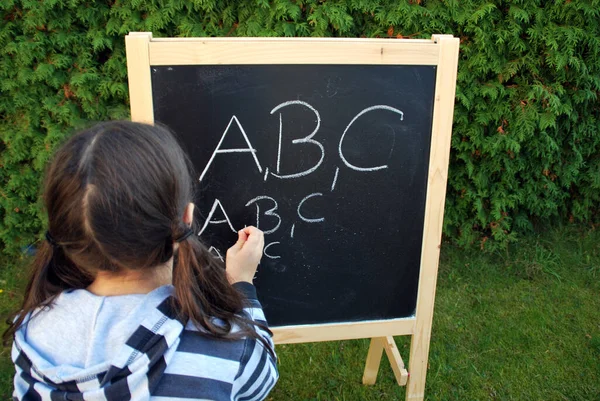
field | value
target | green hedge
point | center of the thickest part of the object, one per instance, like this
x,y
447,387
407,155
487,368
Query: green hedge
x,y
526,144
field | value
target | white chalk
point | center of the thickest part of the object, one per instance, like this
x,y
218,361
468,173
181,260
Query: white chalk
x,y
210,215
307,139
306,219
368,109
216,253
270,212
335,176
218,149
267,248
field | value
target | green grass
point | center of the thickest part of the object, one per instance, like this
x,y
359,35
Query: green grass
x,y
12,282
519,325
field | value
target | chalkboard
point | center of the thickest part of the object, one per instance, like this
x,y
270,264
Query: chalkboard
x,y
337,148
330,161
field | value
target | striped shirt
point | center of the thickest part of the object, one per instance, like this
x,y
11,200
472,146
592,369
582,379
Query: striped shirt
x,y
161,360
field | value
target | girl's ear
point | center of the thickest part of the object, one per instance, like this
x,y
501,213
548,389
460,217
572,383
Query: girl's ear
x,y
188,214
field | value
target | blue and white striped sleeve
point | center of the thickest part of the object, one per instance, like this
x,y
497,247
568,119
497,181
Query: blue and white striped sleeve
x,y
258,366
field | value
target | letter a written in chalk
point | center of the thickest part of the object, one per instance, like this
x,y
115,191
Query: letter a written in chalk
x,y
218,149
209,219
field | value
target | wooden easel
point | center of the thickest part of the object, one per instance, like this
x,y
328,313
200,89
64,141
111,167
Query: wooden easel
x,y
143,52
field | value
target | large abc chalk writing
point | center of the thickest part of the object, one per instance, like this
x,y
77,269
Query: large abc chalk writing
x,y
329,161
251,150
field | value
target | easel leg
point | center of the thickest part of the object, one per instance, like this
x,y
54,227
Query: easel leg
x,y
400,372
376,348
373,360
419,352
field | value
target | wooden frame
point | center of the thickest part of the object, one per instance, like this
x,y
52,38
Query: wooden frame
x,y
143,52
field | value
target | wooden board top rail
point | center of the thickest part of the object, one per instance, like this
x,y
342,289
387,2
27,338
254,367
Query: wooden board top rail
x,y
215,51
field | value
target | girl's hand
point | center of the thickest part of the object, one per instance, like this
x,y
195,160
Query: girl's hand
x,y
242,258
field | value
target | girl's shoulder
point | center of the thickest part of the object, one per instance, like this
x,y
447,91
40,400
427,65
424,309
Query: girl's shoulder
x,y
194,341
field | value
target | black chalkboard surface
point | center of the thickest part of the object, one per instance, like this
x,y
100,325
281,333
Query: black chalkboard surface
x,y
330,161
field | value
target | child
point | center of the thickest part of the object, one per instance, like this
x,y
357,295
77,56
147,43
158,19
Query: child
x,y
108,314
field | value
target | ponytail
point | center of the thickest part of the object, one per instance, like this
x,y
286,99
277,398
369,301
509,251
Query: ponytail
x,y
50,273
205,297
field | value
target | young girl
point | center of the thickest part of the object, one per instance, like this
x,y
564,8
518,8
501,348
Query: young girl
x,y
108,314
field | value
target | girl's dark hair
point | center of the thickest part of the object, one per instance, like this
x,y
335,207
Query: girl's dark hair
x,y
115,196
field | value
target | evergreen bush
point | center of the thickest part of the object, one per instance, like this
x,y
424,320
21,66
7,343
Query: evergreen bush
x,y
526,143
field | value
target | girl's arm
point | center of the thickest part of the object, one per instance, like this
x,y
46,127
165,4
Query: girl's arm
x,y
258,366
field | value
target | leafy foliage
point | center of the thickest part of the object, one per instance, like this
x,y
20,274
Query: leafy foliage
x,y
526,144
